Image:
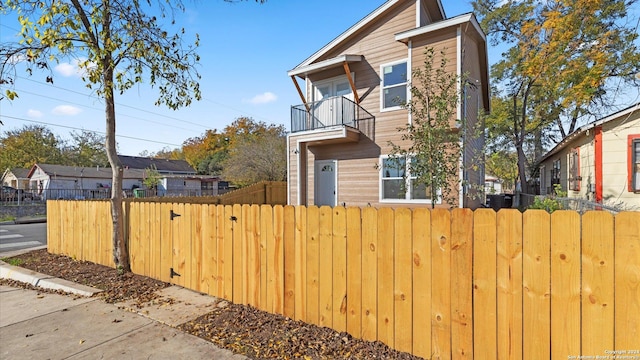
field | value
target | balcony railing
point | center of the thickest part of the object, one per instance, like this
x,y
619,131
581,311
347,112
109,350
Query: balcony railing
x,y
333,111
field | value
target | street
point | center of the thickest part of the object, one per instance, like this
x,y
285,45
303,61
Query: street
x,y
15,237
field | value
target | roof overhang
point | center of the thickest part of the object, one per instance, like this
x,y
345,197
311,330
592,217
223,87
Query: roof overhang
x,y
405,36
583,129
324,65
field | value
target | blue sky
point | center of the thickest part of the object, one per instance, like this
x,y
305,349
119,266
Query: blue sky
x,y
246,50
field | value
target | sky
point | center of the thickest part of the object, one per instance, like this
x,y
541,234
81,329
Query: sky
x,y
246,50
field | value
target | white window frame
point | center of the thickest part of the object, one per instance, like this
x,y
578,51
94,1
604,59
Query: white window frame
x,y
383,87
408,178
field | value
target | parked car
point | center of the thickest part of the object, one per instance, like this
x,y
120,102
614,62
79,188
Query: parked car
x,y
12,194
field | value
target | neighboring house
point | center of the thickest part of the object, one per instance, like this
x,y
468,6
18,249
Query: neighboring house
x,y
599,161
75,182
17,178
163,166
492,185
340,135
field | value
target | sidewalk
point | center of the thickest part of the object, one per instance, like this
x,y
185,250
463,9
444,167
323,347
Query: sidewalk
x,y
52,326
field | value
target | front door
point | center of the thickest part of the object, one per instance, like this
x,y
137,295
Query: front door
x,y
325,183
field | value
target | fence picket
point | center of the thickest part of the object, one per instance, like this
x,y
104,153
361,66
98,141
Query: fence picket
x,y
565,284
597,283
386,233
313,265
509,283
301,262
441,280
485,329
354,271
421,282
536,282
325,277
402,291
461,284
369,274
266,254
289,294
339,288
627,279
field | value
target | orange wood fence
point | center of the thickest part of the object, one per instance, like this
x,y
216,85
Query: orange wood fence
x,y
435,283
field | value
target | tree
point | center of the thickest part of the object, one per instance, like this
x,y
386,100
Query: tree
x,y
152,178
116,43
565,62
257,158
29,145
200,148
504,165
432,156
87,149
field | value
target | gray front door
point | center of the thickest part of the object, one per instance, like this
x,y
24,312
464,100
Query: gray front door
x,y
325,183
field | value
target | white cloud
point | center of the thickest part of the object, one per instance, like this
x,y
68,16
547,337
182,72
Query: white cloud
x,y
264,98
73,68
66,110
34,114
67,69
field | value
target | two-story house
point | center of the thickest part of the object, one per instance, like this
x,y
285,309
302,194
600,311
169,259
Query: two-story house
x,y
340,134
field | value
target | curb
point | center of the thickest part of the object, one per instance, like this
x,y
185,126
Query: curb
x,y
44,281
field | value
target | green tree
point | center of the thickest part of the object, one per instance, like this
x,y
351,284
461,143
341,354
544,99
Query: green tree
x,y
503,164
29,145
152,178
117,43
87,149
433,153
565,61
254,158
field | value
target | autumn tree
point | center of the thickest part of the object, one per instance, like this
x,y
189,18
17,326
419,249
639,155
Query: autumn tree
x,y
116,44
29,145
257,158
200,149
430,162
564,62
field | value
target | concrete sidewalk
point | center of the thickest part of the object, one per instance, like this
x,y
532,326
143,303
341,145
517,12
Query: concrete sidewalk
x,y
52,326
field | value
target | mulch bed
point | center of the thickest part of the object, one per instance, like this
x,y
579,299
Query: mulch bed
x,y
242,329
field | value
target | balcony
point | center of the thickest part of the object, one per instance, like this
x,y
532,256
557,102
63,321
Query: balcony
x,y
337,111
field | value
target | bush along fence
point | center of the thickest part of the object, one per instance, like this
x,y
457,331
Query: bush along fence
x,y
436,283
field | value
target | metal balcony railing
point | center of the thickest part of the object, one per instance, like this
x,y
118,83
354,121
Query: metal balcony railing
x,y
337,110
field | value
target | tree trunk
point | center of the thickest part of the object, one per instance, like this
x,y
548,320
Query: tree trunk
x,y
120,251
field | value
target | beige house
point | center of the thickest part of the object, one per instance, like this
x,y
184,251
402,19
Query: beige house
x,y
340,134
598,162
16,178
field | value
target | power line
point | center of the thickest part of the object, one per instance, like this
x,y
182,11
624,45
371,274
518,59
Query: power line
x,y
91,131
93,108
119,105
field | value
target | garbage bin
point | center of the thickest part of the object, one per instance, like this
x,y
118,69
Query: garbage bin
x,y
138,193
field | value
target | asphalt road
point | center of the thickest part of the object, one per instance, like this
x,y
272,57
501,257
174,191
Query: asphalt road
x,y
16,237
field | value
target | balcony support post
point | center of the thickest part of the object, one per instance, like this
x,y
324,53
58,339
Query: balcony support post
x,y
304,100
347,70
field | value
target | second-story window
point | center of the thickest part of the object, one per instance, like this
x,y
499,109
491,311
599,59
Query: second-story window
x,y
394,85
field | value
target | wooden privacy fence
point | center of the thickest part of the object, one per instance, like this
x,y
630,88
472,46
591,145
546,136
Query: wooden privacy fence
x,y
435,283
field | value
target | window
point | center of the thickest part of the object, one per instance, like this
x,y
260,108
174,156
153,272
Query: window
x,y
543,180
555,174
633,160
574,169
398,184
394,85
